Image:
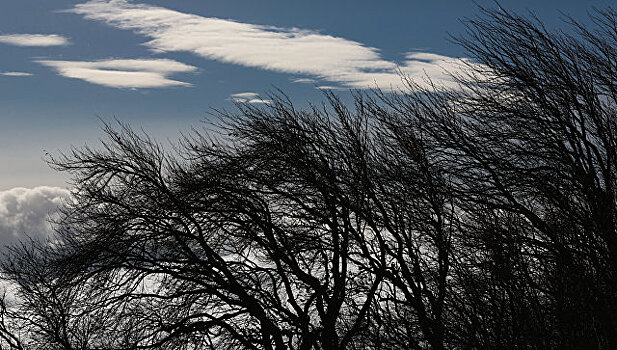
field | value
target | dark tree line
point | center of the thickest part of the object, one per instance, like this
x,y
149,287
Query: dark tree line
x,y
482,217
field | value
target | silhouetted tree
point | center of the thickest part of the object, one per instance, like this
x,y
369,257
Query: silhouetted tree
x,y
528,142
292,233
481,217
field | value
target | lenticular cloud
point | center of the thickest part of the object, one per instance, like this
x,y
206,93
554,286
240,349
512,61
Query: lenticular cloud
x,y
34,39
288,50
126,73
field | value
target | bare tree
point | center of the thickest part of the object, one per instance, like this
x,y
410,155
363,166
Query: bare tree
x,y
294,232
528,142
481,217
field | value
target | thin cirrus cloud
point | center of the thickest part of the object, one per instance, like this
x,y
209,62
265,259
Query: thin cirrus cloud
x,y
25,212
123,73
34,39
304,80
16,74
248,97
289,50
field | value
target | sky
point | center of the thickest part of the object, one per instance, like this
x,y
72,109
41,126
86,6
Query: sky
x,y
162,65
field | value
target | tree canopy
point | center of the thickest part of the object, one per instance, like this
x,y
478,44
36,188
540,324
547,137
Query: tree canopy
x,y
481,217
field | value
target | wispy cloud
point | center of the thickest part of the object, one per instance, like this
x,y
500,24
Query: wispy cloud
x,y
16,74
25,212
305,81
34,39
329,87
289,50
123,73
247,97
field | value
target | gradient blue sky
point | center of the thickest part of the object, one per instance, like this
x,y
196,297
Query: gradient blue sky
x,y
58,103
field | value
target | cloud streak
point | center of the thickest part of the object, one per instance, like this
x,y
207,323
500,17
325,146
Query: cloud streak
x,y
24,212
288,50
247,97
123,73
16,74
34,40
304,81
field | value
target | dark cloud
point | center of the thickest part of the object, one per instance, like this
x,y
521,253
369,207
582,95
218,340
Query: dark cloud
x,y
26,211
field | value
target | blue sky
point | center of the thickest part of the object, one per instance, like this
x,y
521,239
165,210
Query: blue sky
x,y
162,65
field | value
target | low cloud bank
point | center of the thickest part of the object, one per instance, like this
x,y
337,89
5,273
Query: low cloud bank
x,y
25,212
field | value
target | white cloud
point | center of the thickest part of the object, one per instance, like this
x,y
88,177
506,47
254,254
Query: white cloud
x,y
123,73
329,87
248,97
288,50
245,95
16,74
304,80
25,211
34,39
